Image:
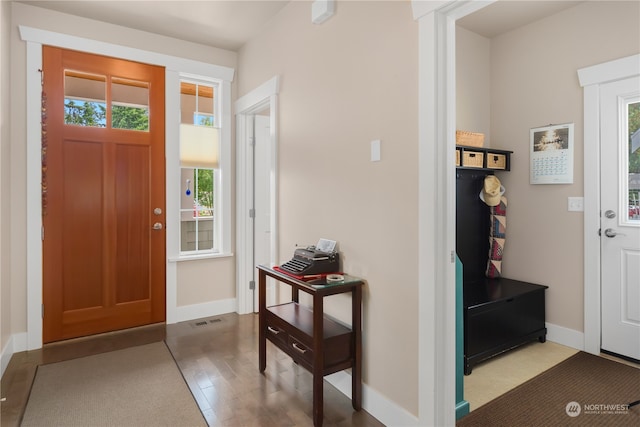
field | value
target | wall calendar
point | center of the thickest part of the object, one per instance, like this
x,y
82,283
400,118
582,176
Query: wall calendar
x,y
551,154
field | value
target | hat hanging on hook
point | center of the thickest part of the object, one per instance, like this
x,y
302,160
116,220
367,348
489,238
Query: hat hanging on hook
x,y
492,190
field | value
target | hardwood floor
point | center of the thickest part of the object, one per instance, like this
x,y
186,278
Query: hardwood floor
x,y
218,358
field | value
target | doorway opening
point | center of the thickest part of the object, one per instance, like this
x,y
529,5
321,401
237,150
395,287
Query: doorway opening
x,y
256,190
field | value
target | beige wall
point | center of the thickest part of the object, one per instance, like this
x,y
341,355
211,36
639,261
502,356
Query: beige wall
x,y
221,270
473,84
345,83
5,265
533,83
206,280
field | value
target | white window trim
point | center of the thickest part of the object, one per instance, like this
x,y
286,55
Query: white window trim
x,y
175,68
222,215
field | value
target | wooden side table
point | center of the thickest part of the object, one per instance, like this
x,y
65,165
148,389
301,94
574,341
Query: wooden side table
x,y
314,341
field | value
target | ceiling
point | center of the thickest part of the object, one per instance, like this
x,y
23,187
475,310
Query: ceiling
x,y
228,24
503,16
219,23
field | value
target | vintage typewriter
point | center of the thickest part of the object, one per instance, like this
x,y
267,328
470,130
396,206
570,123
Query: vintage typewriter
x,y
310,260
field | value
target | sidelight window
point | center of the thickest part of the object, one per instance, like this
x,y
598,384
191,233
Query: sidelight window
x,y
200,207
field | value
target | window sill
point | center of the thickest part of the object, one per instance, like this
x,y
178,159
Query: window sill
x,y
202,256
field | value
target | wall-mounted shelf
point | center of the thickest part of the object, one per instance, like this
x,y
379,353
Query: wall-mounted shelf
x,y
482,158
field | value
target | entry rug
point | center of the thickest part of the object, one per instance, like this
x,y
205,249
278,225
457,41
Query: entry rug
x,y
138,386
584,390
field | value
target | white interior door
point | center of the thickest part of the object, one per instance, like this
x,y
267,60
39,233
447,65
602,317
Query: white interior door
x,y
262,195
620,216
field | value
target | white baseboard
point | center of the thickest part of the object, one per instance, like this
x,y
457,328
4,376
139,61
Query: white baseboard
x,y
15,344
565,336
7,352
392,415
384,410
213,308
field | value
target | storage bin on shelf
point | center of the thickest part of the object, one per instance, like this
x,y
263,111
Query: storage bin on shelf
x,y
470,139
496,161
474,159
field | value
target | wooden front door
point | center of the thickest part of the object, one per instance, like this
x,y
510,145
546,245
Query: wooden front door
x,y
104,198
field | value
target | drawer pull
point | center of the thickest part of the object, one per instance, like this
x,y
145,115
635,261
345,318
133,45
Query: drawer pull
x,y
274,331
298,348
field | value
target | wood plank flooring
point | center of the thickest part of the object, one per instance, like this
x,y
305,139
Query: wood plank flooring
x,y
218,358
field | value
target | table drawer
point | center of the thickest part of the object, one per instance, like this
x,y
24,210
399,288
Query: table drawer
x,y
301,350
277,334
289,326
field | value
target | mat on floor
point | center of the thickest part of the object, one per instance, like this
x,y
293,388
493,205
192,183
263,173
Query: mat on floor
x,y
583,390
138,386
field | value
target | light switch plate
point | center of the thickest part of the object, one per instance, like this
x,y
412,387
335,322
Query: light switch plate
x,y
375,150
575,204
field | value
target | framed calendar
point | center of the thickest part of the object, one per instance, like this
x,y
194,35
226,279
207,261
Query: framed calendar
x,y
551,154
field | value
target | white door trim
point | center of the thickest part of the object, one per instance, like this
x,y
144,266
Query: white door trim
x,y
590,79
266,95
436,235
34,39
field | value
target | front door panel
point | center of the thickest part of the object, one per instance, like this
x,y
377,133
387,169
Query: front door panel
x,y
104,263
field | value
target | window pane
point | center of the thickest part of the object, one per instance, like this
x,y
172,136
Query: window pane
x,y
205,234
197,104
634,160
129,104
204,191
84,99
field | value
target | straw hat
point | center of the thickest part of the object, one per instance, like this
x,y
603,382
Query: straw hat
x,y
492,190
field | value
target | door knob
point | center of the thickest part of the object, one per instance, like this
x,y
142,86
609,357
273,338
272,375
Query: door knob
x,y
610,232
157,226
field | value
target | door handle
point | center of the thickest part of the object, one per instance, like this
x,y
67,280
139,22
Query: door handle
x,y
157,226
610,232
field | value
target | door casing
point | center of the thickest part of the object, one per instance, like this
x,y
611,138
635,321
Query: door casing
x,y
264,96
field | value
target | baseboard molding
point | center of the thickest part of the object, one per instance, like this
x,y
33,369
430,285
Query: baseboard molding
x,y
15,344
212,308
384,410
565,336
7,352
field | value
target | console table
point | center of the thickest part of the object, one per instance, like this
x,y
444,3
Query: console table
x,y
313,340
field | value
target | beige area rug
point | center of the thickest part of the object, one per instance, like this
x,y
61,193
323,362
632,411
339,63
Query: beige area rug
x,y
138,386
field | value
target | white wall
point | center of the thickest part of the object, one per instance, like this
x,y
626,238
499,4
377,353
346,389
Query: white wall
x,y
5,122
473,84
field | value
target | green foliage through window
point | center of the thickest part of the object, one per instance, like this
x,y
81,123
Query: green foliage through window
x,y
94,114
85,113
634,125
133,118
204,191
